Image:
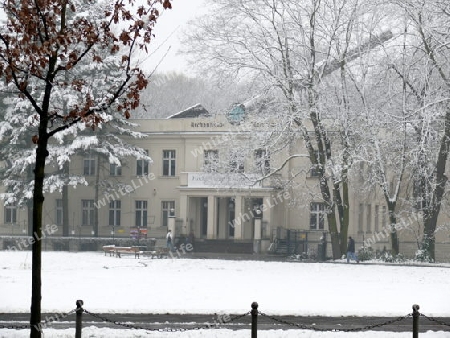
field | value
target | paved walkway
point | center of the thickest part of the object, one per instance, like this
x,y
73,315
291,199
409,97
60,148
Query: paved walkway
x,y
280,258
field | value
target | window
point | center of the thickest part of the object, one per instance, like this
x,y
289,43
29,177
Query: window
x,y
262,161
236,162
166,207
369,218
59,212
384,217
141,214
142,167
87,212
114,213
89,166
211,160
360,217
10,214
115,170
377,218
168,162
316,218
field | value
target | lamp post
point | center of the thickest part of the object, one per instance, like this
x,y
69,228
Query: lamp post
x,y
257,233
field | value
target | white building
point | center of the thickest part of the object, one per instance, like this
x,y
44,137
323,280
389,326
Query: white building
x,y
234,206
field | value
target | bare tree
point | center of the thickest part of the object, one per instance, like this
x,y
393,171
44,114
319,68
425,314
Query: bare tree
x,y
427,82
290,48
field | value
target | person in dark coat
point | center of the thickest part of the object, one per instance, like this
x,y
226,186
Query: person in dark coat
x,y
351,250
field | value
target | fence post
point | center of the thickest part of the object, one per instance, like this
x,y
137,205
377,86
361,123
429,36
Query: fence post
x,y
254,313
79,317
416,315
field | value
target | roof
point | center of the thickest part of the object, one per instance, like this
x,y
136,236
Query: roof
x,y
195,111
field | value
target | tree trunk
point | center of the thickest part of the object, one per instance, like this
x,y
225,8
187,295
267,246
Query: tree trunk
x,y
346,215
431,215
394,237
429,240
65,202
38,202
334,234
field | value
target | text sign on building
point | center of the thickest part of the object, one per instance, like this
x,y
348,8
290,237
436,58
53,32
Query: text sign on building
x,y
214,180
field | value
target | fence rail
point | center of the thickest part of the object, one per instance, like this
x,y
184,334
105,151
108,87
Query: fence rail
x,y
223,320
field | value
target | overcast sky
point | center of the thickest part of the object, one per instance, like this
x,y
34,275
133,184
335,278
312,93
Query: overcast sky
x,y
167,33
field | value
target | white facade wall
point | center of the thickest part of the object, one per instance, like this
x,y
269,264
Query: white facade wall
x,y
202,205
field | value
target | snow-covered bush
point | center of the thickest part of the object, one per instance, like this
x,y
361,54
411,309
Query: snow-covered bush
x,y
366,254
387,257
423,256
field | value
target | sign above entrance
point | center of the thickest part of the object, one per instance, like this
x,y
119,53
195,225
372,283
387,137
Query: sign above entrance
x,y
230,180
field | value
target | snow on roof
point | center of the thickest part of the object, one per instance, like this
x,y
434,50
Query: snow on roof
x,y
195,111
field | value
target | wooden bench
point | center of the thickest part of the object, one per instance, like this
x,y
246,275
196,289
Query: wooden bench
x,y
159,252
109,248
119,250
127,250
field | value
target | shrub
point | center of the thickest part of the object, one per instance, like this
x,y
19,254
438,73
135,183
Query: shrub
x,y
423,256
389,258
366,254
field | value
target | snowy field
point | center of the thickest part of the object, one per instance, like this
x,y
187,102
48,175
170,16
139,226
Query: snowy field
x,y
108,284
216,333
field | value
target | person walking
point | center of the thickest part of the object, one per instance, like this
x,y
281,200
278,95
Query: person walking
x,y
169,240
351,250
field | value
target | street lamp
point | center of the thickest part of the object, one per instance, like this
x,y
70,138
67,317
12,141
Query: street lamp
x,y
258,212
257,229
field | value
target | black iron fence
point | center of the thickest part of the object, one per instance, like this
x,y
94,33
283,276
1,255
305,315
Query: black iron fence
x,y
254,313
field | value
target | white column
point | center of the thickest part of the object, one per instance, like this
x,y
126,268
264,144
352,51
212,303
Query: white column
x,y
171,223
211,232
222,223
257,234
237,217
267,216
183,214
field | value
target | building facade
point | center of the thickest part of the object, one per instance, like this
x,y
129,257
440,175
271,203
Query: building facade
x,y
186,181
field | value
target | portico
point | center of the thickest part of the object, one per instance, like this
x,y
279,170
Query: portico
x,y
225,212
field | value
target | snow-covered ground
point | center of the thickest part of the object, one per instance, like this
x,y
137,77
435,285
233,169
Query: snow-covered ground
x,y
93,332
108,284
